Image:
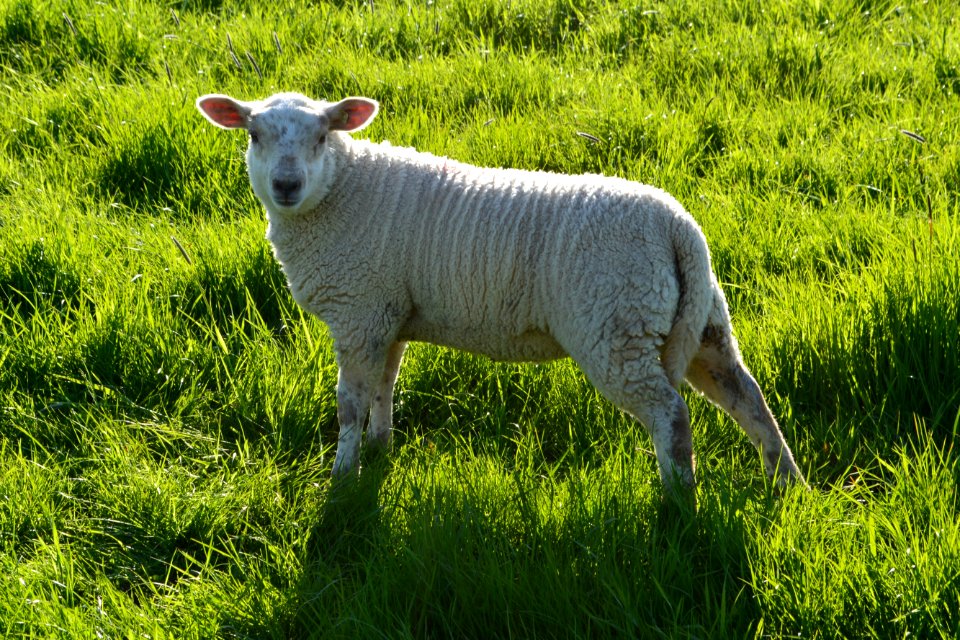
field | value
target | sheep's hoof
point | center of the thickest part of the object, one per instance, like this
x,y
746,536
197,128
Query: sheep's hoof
x,y
343,472
679,502
380,442
680,493
785,479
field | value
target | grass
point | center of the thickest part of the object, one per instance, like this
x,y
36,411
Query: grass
x,y
167,414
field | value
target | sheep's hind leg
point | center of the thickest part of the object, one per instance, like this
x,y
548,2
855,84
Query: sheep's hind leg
x,y
636,382
664,414
381,409
666,418
718,371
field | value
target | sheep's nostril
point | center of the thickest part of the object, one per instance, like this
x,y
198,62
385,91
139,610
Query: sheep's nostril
x,y
286,189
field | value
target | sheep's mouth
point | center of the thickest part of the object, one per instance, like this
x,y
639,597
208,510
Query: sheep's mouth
x,y
286,201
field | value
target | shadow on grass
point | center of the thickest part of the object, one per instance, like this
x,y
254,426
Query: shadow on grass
x,y
350,521
454,559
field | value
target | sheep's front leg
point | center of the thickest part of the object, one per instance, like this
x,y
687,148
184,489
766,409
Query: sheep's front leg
x,y
355,388
381,410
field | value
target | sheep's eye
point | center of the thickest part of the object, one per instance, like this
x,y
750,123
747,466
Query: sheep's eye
x,y
254,137
321,139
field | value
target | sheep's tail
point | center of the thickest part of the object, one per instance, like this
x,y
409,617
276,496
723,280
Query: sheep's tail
x,y
697,292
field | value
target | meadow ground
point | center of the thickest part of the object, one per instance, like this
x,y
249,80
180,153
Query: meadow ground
x,y
167,414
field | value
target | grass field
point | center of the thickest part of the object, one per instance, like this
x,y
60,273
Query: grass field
x,y
167,414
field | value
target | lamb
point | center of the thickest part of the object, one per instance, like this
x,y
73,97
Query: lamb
x,y
388,245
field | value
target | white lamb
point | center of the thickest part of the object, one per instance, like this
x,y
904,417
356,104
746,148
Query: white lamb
x,y
388,245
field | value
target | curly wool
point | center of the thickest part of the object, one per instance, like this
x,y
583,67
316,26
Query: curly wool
x,y
388,245
516,265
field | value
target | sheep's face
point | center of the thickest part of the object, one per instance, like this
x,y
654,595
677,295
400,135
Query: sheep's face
x,y
288,157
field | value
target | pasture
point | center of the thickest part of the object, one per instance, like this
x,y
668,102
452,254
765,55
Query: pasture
x,y
167,413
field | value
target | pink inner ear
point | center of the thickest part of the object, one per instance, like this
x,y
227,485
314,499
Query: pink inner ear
x,y
224,112
355,114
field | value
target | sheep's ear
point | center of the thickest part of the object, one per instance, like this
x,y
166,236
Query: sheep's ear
x,y
352,114
224,111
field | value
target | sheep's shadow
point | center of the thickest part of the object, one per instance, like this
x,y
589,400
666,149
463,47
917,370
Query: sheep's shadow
x,y
649,565
354,499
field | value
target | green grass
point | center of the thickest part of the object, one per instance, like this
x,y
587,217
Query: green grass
x,y
167,416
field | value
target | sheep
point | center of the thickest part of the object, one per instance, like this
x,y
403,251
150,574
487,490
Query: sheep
x,y
388,245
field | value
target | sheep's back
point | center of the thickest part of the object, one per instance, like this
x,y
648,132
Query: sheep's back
x,y
512,264
499,260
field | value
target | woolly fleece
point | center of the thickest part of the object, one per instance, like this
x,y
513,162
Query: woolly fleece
x,y
388,245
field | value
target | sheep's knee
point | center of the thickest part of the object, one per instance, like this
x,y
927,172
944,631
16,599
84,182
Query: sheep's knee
x,y
349,412
380,429
353,404
379,433
381,417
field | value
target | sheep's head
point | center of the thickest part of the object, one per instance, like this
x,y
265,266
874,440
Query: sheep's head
x,y
288,154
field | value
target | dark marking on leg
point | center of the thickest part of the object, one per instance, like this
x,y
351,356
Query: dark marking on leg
x,y
774,460
680,487
727,380
380,441
681,445
714,336
346,412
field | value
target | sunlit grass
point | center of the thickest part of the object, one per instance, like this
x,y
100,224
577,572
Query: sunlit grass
x,y
167,413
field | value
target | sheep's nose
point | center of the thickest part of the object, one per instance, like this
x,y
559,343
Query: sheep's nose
x,y
286,190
